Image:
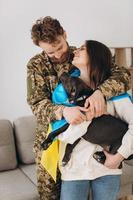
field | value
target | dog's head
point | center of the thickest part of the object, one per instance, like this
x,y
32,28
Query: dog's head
x,y
76,89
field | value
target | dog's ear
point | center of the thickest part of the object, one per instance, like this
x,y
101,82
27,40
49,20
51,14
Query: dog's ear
x,y
66,81
64,76
87,91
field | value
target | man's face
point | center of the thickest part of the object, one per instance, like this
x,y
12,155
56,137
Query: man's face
x,y
57,51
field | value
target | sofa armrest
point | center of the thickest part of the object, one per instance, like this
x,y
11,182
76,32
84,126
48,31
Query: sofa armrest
x,y
7,146
24,130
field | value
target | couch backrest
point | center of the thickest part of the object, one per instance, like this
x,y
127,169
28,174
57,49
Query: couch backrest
x,y
24,130
7,146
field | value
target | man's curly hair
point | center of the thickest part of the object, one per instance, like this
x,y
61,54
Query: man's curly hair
x,y
47,30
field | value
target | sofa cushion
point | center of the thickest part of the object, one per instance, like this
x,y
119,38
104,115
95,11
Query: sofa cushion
x,y
7,146
25,133
129,162
15,185
127,174
30,171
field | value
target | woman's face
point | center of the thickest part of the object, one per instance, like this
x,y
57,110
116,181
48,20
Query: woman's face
x,y
81,58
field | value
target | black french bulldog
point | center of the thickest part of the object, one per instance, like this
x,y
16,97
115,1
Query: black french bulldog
x,y
106,130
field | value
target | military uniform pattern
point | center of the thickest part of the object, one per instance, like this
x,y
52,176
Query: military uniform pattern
x,y
42,78
119,82
47,188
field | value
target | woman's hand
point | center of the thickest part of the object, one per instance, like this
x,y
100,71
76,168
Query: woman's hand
x,y
113,161
96,103
89,115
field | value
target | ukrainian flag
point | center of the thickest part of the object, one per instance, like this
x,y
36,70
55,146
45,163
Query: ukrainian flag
x,y
50,157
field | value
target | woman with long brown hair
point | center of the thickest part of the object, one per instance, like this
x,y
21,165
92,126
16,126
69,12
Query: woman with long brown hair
x,y
82,172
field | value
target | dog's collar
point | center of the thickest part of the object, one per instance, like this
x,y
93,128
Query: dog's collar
x,y
82,98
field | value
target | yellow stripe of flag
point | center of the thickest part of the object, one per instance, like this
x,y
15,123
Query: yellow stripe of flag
x,y
50,157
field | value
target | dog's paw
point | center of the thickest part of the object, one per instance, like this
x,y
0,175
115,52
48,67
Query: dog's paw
x,y
46,144
99,156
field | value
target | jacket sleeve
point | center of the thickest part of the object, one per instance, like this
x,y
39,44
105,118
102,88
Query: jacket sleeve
x,y
118,83
38,96
124,109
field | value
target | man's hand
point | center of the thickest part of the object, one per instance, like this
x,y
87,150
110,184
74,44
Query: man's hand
x,y
113,161
74,115
96,104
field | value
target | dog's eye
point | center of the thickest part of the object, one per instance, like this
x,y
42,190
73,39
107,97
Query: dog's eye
x,y
73,91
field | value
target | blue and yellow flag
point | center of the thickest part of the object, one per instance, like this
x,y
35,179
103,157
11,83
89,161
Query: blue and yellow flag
x,y
50,157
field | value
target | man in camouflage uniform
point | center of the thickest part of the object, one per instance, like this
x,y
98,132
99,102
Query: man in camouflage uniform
x,y
43,72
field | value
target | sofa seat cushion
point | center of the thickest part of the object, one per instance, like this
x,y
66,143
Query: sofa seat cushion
x,y
15,185
7,146
30,171
129,162
25,134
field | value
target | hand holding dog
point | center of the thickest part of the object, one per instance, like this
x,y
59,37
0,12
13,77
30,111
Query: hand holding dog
x,y
96,103
113,161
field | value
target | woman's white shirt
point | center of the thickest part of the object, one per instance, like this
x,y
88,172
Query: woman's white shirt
x,y
82,165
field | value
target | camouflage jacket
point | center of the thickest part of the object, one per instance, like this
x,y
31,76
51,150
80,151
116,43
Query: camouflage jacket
x,y
43,77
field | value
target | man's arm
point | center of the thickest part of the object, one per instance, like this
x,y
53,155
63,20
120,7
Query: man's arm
x,y
118,83
38,95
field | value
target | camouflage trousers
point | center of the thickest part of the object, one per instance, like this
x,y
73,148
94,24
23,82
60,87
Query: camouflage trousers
x,y
47,188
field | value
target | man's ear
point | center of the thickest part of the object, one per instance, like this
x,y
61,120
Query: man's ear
x,y
65,35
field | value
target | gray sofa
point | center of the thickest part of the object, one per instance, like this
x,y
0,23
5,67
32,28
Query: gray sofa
x,y
17,168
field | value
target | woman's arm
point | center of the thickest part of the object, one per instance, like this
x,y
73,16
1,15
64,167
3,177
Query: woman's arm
x,y
124,109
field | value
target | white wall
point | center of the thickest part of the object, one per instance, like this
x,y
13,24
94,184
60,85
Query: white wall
x,y
108,21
